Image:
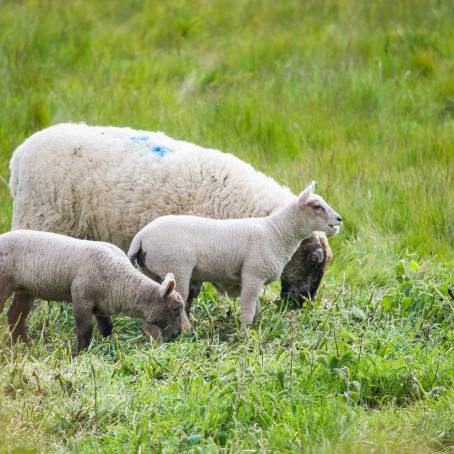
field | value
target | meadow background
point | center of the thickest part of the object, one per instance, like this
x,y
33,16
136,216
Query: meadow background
x,y
356,95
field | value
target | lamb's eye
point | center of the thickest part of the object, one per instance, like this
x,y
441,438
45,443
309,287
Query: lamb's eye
x,y
317,207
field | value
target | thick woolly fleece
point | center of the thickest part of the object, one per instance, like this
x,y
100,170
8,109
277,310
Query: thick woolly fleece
x,y
247,252
97,277
106,183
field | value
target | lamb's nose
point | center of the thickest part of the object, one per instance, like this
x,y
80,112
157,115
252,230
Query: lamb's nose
x,y
339,218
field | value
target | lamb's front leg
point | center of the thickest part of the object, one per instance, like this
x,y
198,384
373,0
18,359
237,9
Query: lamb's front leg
x,y
104,324
251,288
83,311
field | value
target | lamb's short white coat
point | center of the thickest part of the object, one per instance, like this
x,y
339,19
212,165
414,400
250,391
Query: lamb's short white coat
x,y
247,252
106,183
96,276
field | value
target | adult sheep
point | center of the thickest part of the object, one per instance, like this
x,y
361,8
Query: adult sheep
x,y
106,183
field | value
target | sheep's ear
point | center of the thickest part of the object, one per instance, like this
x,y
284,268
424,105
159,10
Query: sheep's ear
x,y
168,285
304,196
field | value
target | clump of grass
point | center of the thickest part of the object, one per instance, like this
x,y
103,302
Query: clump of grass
x,y
445,97
423,62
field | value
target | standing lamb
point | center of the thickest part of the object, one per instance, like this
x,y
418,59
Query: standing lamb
x,y
106,183
238,252
97,277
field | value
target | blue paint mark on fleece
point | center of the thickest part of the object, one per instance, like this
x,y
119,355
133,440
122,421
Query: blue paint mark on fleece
x,y
159,150
139,139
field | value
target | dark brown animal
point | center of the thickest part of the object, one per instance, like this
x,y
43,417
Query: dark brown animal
x,y
310,261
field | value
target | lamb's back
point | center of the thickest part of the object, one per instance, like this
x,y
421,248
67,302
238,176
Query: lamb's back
x,y
47,264
215,248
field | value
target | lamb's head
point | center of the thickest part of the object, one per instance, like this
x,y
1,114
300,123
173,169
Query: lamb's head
x,y
168,315
302,275
316,213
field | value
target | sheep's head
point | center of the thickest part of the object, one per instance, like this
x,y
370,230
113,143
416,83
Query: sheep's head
x,y
168,316
317,214
302,275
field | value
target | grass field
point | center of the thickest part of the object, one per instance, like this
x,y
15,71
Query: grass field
x,y
356,95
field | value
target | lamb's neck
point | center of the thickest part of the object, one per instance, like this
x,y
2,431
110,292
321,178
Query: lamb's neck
x,y
129,292
288,228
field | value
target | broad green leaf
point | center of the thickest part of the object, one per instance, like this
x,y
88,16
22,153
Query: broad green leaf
x,y
406,302
387,302
414,266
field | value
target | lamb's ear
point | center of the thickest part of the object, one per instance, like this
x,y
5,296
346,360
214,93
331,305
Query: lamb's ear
x,y
168,285
304,196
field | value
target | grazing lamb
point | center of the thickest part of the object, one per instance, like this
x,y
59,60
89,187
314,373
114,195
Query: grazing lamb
x,y
97,277
106,183
247,252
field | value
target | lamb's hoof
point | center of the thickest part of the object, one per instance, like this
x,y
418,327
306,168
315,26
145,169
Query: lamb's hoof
x,y
19,337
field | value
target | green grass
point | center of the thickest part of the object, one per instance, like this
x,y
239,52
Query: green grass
x,y
357,95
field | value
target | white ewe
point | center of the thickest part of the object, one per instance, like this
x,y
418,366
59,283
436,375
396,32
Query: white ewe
x,y
106,183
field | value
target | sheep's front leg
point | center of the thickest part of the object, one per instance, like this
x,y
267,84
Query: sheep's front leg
x,y
83,311
249,305
104,323
17,315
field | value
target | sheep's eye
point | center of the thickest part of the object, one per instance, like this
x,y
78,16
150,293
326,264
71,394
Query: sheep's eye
x,y
317,207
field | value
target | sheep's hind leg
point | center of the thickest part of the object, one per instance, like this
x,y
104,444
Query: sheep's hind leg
x,y
194,290
183,280
104,323
257,310
17,315
5,292
249,304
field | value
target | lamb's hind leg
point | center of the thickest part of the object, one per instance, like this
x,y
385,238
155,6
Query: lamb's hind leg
x,y
5,292
17,315
194,290
257,310
183,280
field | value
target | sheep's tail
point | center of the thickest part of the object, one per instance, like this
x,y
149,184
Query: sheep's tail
x,y
136,254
